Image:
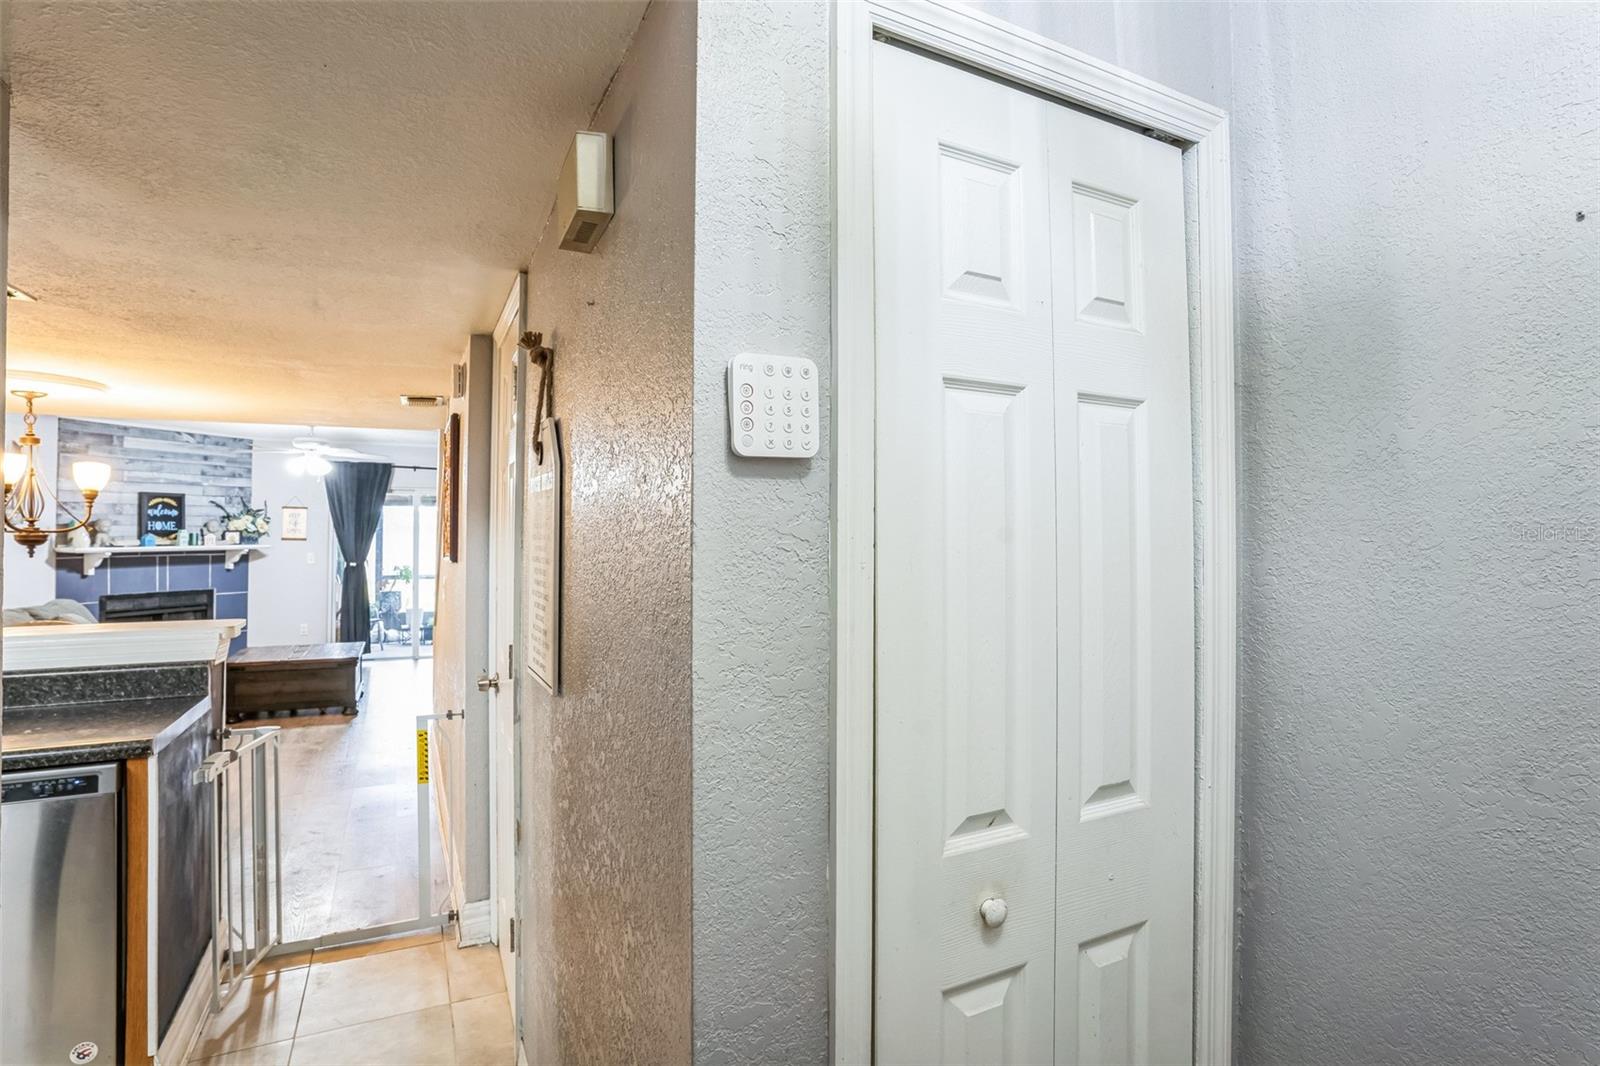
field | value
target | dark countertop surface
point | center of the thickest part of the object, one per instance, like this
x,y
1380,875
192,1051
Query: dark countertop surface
x,y
77,734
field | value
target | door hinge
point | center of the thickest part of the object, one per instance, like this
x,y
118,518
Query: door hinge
x,y
510,668
513,936
516,832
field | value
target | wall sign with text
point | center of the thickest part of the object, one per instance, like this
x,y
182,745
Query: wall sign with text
x,y
161,516
541,560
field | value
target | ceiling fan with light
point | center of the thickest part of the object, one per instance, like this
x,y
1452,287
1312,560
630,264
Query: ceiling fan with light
x,y
316,455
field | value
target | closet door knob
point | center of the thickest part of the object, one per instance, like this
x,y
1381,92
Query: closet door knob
x,y
993,911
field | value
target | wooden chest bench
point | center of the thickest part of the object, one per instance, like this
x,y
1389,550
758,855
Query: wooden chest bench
x,y
294,677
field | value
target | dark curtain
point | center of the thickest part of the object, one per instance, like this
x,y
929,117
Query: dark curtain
x,y
356,492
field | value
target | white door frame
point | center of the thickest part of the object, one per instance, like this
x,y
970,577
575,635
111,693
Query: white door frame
x,y
989,45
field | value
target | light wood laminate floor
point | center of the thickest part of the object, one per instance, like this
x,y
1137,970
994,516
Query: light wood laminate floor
x,y
407,1001
349,796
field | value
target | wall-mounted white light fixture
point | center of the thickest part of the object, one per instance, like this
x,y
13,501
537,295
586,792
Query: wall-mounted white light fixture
x,y
584,198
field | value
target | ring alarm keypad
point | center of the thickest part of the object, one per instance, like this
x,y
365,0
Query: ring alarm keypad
x,y
773,402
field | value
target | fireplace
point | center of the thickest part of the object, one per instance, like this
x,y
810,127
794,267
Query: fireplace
x,y
158,606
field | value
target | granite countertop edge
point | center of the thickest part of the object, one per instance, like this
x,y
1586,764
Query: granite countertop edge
x,y
48,755
46,758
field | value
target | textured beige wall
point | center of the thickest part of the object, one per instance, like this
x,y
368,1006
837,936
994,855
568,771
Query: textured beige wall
x,y
605,921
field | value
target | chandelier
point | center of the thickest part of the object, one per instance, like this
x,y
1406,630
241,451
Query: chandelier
x,y
27,492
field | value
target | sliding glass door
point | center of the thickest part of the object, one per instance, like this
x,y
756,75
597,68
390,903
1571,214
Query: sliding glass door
x,y
401,574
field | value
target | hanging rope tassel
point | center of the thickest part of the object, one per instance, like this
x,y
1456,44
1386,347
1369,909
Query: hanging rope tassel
x,y
545,405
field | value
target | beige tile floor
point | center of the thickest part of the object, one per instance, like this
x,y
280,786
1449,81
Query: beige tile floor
x,y
408,1000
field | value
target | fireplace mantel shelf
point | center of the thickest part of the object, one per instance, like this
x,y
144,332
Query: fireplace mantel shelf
x,y
93,557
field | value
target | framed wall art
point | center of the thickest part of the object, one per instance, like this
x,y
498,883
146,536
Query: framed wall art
x,y
296,522
449,489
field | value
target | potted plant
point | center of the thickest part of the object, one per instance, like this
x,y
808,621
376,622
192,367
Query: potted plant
x,y
250,523
400,576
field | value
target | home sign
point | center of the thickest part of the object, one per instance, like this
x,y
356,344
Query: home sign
x,y
161,516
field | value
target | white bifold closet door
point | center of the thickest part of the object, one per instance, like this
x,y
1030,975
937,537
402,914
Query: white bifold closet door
x,y
1035,600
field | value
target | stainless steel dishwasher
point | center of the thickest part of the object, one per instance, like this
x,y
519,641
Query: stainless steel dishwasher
x,y
60,907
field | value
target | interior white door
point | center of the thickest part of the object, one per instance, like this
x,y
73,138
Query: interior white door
x,y
506,504
1035,719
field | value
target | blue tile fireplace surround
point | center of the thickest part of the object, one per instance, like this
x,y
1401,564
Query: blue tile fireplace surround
x,y
159,572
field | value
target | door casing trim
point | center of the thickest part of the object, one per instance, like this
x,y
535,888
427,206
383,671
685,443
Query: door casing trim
x,y
1013,54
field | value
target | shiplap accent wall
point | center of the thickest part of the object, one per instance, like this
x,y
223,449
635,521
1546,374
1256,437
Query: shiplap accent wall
x,y
201,466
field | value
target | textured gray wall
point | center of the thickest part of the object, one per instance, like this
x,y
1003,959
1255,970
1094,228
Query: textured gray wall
x,y
762,632
1420,360
605,922
1182,45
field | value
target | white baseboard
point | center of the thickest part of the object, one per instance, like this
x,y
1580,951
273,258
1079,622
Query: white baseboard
x,y
475,925
190,1021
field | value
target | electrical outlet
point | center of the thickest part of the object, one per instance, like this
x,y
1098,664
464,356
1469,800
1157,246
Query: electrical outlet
x,y
311,557
305,629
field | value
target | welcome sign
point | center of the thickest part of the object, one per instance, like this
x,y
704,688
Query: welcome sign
x,y
161,515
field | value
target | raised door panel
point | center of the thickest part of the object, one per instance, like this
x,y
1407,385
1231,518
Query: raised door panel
x,y
1108,260
981,227
1113,1000
1114,607
989,581
985,1020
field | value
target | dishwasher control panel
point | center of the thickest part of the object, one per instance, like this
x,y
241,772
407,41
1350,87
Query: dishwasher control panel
x,y
50,788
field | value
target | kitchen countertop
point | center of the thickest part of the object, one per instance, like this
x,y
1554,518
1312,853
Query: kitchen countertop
x,y
74,734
